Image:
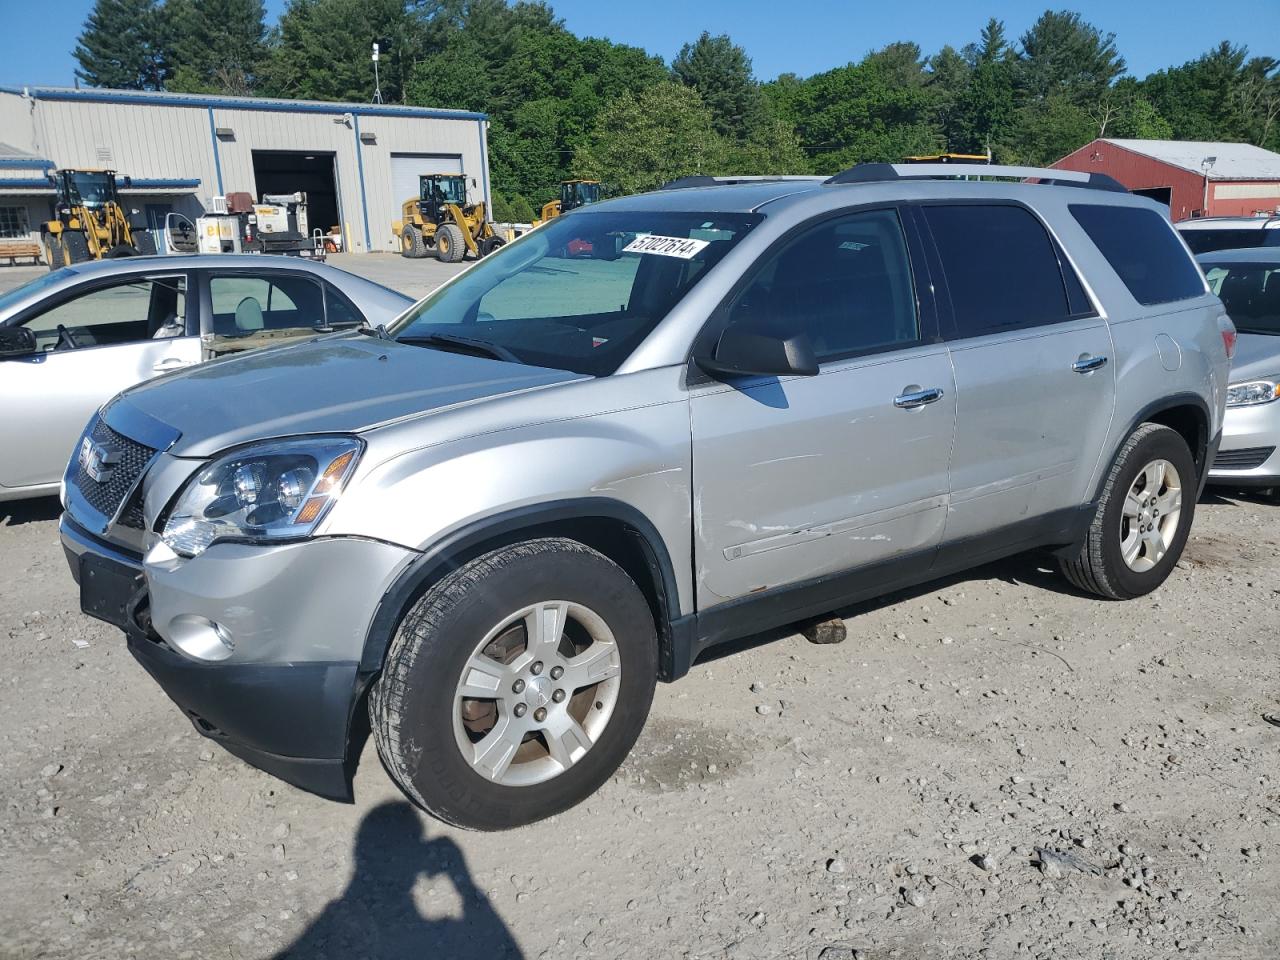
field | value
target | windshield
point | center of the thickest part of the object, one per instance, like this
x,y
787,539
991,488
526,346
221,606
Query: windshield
x,y
94,189
1251,294
444,189
579,194
580,293
1241,238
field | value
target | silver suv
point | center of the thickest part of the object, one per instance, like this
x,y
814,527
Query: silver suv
x,y
644,429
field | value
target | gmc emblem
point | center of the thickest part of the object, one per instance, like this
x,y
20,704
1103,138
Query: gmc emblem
x,y
97,460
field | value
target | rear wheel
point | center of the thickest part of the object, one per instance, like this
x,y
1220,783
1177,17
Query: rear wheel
x,y
490,244
1142,519
121,250
411,244
516,685
450,247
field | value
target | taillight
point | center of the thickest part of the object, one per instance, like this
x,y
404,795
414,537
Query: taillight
x,y
1228,335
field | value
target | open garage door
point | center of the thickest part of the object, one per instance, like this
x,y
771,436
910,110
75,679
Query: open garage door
x,y
407,167
279,171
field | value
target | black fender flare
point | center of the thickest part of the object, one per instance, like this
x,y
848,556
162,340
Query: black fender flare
x,y
441,557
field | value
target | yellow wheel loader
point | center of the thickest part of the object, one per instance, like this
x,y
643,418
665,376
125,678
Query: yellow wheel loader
x,y
573,194
89,221
440,221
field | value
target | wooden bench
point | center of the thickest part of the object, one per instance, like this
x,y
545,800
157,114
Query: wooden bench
x,y
15,250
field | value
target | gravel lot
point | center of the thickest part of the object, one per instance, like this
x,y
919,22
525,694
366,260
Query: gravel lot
x,y
885,797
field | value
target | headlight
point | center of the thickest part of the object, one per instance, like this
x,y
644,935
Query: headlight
x,y
1251,393
279,490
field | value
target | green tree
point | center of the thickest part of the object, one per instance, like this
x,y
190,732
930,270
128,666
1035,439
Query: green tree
x,y
639,142
720,71
1222,95
122,46
217,46
323,47
1064,55
985,110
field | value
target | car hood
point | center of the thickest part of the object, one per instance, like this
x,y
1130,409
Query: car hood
x,y
1257,355
341,384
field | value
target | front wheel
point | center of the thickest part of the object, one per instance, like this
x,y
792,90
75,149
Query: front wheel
x,y
516,685
1142,518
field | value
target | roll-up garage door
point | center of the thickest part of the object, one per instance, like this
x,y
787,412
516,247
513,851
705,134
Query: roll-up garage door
x,y
407,167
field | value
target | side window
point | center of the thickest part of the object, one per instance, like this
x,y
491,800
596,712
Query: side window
x,y
245,304
1002,269
1143,249
339,310
846,282
140,309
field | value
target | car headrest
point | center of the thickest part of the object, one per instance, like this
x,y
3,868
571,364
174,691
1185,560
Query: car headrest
x,y
249,315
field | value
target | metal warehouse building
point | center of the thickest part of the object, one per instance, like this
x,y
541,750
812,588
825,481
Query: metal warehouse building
x,y
1194,177
356,162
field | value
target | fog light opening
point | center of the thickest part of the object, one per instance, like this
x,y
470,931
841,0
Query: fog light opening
x,y
201,638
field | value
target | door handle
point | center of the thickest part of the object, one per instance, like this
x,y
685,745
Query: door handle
x,y
170,363
1089,364
917,398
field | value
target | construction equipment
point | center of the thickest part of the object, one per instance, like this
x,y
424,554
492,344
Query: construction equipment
x,y
440,221
949,158
89,222
573,194
277,224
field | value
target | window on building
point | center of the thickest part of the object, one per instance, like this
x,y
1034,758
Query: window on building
x,y
14,224
1002,269
1142,248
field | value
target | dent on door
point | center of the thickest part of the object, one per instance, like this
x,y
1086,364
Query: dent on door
x,y
799,478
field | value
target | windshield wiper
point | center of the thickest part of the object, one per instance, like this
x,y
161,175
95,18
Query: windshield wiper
x,y
380,331
481,348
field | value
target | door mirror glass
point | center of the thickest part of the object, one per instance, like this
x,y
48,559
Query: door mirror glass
x,y
16,342
742,352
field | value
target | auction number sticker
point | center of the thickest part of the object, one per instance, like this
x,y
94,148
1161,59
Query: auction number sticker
x,y
683,247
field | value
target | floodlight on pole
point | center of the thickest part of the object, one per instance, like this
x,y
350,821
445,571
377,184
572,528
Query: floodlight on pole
x,y
377,83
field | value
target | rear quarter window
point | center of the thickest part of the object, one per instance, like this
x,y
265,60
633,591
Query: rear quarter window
x,y
1144,251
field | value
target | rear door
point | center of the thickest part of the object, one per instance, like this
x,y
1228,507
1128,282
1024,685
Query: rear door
x,y
1032,361
92,343
799,477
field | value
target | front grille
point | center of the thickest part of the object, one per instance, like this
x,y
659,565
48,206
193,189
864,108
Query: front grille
x,y
107,496
1246,458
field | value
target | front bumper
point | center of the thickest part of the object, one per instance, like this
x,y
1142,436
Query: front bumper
x,y
279,703
1249,455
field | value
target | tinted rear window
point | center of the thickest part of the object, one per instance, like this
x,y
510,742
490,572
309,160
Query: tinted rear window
x,y
1142,248
1002,269
1207,241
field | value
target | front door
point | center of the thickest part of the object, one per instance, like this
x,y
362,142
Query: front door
x,y
91,346
799,477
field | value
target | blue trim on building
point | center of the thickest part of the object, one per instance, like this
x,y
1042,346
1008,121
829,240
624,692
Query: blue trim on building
x,y
217,160
364,200
137,184
484,170
240,103
26,163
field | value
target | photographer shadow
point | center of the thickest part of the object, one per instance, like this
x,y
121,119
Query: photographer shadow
x,y
376,917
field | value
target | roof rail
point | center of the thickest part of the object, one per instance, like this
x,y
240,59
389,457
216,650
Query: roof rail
x,y
885,172
702,180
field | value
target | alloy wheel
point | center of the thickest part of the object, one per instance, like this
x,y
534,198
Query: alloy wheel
x,y
1149,521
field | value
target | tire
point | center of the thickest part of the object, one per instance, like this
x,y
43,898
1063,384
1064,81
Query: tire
x,y
120,250
1100,565
426,729
411,244
490,244
450,247
52,252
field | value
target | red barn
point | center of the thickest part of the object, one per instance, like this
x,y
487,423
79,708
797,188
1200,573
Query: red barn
x,y
1194,177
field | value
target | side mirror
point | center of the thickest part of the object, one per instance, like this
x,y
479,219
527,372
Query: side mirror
x,y
16,342
743,353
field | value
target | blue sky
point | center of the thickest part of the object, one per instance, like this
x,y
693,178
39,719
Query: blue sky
x,y
800,37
